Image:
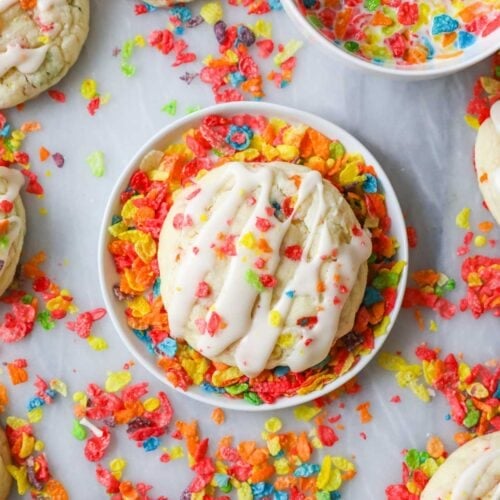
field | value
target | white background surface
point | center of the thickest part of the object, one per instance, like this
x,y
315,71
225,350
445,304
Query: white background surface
x,y
415,130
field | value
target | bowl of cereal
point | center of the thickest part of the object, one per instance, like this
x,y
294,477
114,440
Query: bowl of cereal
x,y
403,39
253,256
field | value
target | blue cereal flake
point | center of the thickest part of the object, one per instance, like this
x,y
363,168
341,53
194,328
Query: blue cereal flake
x,y
290,294
444,24
182,13
497,392
236,78
168,347
465,39
211,388
35,402
280,495
307,470
239,137
372,296
280,371
221,480
370,185
275,4
262,490
156,288
151,443
143,336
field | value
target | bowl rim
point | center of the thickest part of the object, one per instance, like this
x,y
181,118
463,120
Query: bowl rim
x,y
404,73
104,259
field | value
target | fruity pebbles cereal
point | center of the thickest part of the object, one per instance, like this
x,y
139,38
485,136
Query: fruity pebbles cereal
x,y
144,204
400,32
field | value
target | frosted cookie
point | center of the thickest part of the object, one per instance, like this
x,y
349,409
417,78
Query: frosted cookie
x,y
487,159
40,41
12,224
262,265
5,477
470,473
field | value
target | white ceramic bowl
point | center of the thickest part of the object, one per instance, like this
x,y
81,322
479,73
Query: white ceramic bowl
x,y
171,133
481,49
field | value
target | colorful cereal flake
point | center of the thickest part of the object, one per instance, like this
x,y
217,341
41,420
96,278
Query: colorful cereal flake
x,y
486,92
431,287
282,467
472,393
234,75
145,203
30,468
120,403
400,32
417,468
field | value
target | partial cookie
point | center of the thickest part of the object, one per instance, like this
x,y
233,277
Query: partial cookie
x,y
470,473
12,224
487,159
5,477
38,45
262,265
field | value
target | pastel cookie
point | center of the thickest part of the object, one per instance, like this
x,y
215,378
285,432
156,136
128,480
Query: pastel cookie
x,y
262,265
470,473
39,42
487,160
12,224
5,460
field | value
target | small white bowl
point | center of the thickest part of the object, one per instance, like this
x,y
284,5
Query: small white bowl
x,y
481,49
173,132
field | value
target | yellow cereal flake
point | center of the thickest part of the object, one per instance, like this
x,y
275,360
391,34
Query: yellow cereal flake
x,y
116,381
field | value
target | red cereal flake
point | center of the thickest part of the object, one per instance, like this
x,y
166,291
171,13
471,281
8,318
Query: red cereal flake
x,y
293,252
84,322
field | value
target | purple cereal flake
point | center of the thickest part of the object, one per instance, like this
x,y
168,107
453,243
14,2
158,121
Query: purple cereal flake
x,y
220,28
116,51
188,77
246,35
194,21
58,159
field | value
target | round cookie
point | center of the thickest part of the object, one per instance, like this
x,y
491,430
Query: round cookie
x,y
487,160
12,224
5,477
471,472
39,42
262,265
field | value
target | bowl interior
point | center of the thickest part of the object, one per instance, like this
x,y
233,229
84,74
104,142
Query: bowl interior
x,y
481,49
173,133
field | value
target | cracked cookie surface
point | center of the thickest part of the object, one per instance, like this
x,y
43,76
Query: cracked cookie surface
x,y
40,40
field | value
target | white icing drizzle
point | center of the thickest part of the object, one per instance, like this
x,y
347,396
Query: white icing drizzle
x,y
14,180
6,4
464,487
495,115
25,60
236,300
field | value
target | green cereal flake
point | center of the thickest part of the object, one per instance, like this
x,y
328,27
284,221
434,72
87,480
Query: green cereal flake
x,y
96,163
236,389
337,150
193,109
45,320
127,69
170,108
78,431
371,5
253,279
252,398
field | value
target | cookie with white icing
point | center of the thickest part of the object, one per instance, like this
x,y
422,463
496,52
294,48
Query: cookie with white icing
x,y
12,225
487,159
470,473
262,265
5,460
40,41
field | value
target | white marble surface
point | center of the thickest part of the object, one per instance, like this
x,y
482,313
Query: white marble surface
x,y
416,131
